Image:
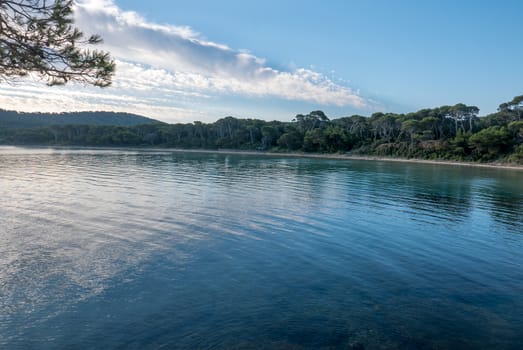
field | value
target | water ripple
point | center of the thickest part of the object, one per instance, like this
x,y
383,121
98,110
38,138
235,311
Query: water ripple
x,y
139,249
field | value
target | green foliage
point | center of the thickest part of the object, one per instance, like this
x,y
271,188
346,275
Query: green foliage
x,y
38,36
310,121
463,117
517,156
489,143
314,141
336,139
460,145
427,134
13,120
411,127
291,140
516,130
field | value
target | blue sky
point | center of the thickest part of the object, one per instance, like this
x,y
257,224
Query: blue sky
x,y
181,61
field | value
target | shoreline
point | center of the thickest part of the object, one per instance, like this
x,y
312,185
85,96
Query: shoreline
x,y
357,158
297,155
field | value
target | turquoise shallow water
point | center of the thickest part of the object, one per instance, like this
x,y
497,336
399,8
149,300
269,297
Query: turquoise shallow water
x,y
121,249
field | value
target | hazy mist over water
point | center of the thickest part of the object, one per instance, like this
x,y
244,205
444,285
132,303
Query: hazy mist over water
x,y
113,249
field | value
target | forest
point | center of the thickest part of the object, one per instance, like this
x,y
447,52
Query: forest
x,y
447,133
16,120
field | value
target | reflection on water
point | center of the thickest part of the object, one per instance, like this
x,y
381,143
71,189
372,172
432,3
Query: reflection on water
x,y
155,249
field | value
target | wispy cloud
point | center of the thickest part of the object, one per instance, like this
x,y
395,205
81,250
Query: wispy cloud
x,y
198,64
168,69
34,97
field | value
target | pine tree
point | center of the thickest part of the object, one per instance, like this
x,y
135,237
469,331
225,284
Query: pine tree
x,y
38,37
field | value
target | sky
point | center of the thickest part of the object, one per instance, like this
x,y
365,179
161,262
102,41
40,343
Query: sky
x,y
182,61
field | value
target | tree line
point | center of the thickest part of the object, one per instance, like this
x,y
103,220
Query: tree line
x,y
446,132
16,120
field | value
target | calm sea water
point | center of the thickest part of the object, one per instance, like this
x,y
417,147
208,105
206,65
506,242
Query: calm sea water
x,y
120,249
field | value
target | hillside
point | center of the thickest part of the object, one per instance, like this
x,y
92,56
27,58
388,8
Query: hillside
x,y
443,133
18,120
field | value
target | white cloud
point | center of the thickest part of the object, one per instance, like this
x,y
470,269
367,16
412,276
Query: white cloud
x,y
33,97
172,73
196,64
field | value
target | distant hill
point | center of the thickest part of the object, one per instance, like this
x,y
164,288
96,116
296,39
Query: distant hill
x,y
18,120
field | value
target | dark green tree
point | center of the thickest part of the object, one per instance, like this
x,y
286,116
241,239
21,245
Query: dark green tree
x,y
38,36
314,140
291,140
385,126
310,121
491,142
270,135
462,113
411,127
336,139
516,106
